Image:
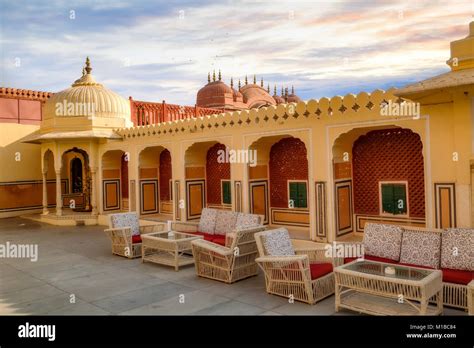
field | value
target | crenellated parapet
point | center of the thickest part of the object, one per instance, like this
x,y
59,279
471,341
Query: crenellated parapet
x,y
18,93
337,108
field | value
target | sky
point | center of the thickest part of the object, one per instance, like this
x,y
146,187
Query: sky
x,y
163,50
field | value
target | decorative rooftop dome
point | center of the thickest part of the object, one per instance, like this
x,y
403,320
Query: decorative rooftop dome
x,y
256,96
293,98
87,98
215,93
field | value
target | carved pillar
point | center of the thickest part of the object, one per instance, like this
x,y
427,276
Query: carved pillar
x,y
45,194
59,198
93,190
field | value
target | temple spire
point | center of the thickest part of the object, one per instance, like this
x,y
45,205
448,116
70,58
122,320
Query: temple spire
x,y
83,71
220,76
88,66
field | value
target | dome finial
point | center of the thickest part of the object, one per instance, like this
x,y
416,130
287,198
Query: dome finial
x,y
246,80
254,79
214,76
292,89
232,82
282,92
220,76
286,92
268,88
208,77
83,71
261,82
239,85
274,90
88,68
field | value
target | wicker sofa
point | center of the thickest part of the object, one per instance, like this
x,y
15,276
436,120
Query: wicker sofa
x,y
304,275
450,250
228,251
125,234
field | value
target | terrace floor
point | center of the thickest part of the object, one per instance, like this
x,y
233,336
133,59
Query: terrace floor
x,y
76,262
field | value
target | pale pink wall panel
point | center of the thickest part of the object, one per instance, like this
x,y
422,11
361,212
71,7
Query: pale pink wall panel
x,y
30,110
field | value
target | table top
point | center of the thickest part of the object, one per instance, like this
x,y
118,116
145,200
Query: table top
x,y
171,236
380,269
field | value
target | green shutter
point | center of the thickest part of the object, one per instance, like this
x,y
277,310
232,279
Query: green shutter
x,y
294,193
387,199
226,194
302,195
399,199
298,194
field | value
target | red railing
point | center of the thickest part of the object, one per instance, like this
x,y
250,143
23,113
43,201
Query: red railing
x,y
145,113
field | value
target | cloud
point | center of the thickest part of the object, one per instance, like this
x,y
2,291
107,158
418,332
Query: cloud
x,y
163,50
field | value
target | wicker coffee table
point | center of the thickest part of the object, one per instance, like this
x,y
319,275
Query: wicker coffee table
x,y
168,248
365,287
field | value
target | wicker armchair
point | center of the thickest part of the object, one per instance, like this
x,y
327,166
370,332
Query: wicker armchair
x,y
304,275
124,232
230,263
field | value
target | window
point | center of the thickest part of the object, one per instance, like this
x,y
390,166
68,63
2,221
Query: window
x,y
394,198
298,194
226,195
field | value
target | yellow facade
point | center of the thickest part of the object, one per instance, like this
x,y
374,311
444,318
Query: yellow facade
x,y
328,127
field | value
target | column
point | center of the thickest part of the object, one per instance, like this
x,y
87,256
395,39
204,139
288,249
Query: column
x,y
59,198
93,191
45,194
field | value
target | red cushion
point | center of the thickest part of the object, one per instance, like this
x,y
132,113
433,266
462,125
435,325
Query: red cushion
x,y
219,240
371,258
457,276
320,269
349,259
379,259
136,239
413,265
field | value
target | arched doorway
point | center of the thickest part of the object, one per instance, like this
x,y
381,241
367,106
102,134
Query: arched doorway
x,y
378,177
208,181
278,183
76,176
155,184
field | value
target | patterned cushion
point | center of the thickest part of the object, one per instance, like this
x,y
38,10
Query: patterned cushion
x,y
278,243
382,240
126,220
457,249
225,221
207,223
247,220
421,248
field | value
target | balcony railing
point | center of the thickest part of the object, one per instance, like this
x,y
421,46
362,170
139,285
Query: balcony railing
x,y
146,113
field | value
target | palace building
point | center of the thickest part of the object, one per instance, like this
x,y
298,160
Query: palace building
x,y
322,168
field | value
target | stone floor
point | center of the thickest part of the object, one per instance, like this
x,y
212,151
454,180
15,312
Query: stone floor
x,y
76,263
